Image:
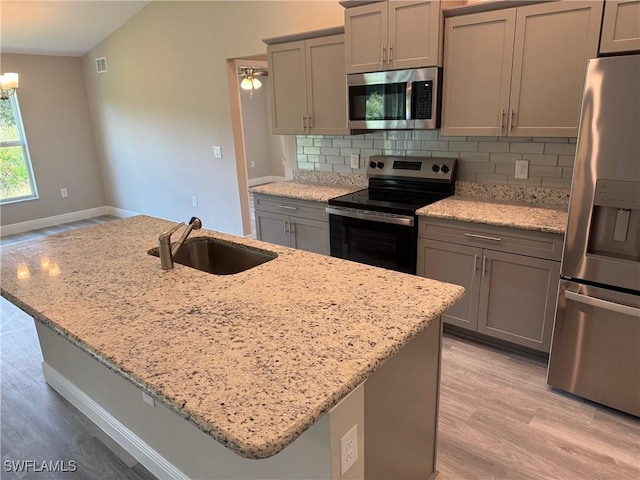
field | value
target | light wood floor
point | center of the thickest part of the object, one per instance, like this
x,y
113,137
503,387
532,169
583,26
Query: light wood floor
x,y
498,419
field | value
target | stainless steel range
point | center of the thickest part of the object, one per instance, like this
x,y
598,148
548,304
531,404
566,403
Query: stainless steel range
x,y
378,226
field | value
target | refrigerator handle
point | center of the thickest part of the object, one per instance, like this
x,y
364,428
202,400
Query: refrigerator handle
x,y
604,304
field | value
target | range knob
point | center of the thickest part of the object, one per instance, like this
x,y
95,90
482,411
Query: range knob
x,y
372,164
444,169
380,165
435,168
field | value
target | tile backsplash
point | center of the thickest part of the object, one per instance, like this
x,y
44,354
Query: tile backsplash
x,y
488,160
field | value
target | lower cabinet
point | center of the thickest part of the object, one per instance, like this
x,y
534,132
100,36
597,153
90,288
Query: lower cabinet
x,y
510,296
292,223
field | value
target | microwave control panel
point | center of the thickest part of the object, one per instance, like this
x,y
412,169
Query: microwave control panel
x,y
422,99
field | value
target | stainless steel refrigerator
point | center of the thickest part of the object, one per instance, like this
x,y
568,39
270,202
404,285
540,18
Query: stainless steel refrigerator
x,y
595,350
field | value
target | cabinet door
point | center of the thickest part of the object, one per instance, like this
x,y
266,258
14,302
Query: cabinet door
x,y
620,26
477,73
517,298
414,34
310,235
273,228
288,87
366,40
326,86
553,43
458,264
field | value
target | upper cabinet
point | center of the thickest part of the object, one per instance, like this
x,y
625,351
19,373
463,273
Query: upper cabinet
x,y
519,71
621,26
308,86
393,35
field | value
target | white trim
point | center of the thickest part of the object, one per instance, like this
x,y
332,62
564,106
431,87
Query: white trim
x,y
63,218
252,182
134,445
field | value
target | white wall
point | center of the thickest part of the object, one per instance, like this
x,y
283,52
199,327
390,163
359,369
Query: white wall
x,y
164,102
57,123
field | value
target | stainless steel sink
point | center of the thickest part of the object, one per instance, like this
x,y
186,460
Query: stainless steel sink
x,y
217,256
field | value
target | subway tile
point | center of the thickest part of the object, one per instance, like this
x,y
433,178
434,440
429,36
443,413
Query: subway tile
x,y
323,167
566,160
315,158
299,149
464,176
342,169
373,136
329,151
543,171
541,159
348,151
312,150
505,168
444,138
504,157
393,152
482,139
560,148
322,142
368,152
306,165
531,181
492,178
417,153
341,142
479,157
463,146
441,154
301,157
556,182
526,147
434,145
493,147
425,135
514,139
550,140
385,144
567,172
334,159
475,167
408,145
398,135
304,141
315,136
362,143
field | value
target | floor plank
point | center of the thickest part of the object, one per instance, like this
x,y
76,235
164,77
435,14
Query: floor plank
x,y
498,418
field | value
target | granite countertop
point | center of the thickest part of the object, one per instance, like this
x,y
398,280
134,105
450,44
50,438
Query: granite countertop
x,y
502,213
300,190
253,359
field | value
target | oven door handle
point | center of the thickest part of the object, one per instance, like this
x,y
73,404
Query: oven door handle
x,y
604,304
396,219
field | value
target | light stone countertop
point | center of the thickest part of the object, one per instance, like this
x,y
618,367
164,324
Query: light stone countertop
x,y
495,212
315,192
253,359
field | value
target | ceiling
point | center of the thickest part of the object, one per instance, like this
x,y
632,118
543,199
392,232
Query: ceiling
x,y
64,27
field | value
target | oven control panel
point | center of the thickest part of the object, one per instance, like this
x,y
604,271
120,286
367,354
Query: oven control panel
x,y
413,167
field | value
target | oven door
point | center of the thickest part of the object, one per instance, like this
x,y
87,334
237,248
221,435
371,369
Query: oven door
x,y
373,238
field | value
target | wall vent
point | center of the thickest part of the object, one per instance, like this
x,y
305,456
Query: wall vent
x,y
101,64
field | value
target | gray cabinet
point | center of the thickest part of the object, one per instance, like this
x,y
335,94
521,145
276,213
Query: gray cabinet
x,y
510,276
620,26
308,86
528,74
292,223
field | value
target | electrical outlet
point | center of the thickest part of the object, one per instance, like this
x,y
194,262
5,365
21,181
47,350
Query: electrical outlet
x,y
194,201
217,151
355,160
349,449
253,164
64,193
148,399
522,168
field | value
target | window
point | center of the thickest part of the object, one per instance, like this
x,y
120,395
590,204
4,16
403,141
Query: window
x,y
16,176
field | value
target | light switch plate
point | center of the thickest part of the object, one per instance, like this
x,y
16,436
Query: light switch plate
x,y
217,151
355,160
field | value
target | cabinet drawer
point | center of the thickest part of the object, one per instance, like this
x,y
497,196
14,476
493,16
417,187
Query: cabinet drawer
x,y
504,239
291,207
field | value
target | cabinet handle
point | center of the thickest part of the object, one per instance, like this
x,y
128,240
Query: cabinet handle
x,y
383,50
304,123
286,230
483,237
502,121
287,207
475,264
390,53
484,265
513,118
309,123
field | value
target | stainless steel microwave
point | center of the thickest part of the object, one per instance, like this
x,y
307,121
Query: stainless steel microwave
x,y
397,99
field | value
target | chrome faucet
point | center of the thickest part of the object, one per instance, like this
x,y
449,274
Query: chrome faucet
x,y
165,251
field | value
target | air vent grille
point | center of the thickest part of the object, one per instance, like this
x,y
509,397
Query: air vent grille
x,y
101,64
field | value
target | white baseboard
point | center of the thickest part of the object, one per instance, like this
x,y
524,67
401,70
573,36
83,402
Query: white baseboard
x,y
134,445
63,218
252,182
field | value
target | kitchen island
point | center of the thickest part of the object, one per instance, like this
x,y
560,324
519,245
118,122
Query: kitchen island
x,y
252,375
